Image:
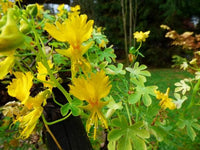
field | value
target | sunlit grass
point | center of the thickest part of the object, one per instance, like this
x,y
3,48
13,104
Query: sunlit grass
x,y
166,77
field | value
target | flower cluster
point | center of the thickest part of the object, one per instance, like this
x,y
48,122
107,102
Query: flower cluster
x,y
165,101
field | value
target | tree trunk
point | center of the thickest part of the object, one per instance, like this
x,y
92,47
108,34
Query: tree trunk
x,y
124,13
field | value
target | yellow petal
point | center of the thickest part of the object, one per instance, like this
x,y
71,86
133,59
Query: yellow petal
x,y
56,31
20,87
6,65
42,74
92,88
29,121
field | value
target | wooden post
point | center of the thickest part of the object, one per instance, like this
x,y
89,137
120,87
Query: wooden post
x,y
70,133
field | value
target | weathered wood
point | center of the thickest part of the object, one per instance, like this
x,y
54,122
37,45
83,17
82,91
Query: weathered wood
x,y
70,134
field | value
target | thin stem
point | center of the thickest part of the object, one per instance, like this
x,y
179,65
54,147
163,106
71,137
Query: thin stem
x,y
45,63
128,113
56,121
59,104
137,52
196,88
53,137
136,112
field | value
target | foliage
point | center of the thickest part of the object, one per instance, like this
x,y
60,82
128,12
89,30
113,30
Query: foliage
x,y
39,52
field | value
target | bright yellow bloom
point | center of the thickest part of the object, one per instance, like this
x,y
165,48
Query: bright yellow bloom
x,y
5,5
61,9
75,31
75,8
103,44
141,36
92,89
7,63
42,74
165,102
40,9
29,121
20,87
75,11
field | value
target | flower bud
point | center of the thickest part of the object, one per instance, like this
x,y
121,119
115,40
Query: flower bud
x,y
24,26
32,9
10,37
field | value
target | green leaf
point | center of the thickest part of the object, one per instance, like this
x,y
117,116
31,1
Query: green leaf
x,y
125,143
196,126
116,70
139,144
138,72
134,98
114,135
77,102
107,54
75,110
158,132
60,60
142,91
111,145
191,133
65,109
146,100
73,106
127,136
181,124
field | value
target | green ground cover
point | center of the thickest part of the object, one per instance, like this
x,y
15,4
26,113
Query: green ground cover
x,y
166,77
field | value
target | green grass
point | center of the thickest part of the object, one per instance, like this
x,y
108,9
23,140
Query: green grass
x,y
165,78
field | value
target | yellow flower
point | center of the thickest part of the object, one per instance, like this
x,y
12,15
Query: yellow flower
x,y
42,74
75,31
141,36
75,8
92,89
103,44
20,87
75,11
38,100
39,10
29,121
61,9
165,102
7,63
29,115
5,5
163,26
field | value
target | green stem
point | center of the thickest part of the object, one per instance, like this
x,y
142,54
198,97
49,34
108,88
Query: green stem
x,y
53,137
196,88
59,104
23,55
136,52
45,63
20,67
128,113
136,112
56,121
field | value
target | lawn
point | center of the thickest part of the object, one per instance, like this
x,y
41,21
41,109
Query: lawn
x,y
166,77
